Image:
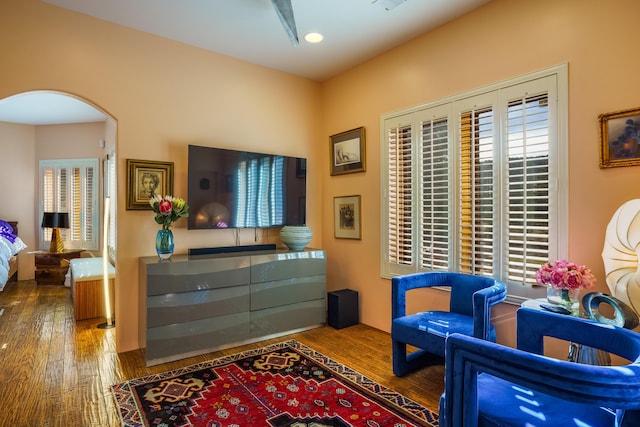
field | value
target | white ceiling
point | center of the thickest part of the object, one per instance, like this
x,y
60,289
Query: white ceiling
x,y
47,108
354,30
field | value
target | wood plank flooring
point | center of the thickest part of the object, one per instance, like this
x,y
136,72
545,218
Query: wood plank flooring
x,y
55,371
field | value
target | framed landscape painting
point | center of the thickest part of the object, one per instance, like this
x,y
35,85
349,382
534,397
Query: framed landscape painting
x,y
347,151
620,138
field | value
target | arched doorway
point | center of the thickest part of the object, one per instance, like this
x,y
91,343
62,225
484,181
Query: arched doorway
x,y
55,125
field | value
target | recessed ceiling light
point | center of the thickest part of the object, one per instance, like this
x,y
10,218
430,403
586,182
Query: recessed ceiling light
x,y
313,37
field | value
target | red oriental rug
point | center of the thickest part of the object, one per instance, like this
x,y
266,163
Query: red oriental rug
x,y
280,385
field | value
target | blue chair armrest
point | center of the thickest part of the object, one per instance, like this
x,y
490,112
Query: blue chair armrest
x,y
483,300
401,284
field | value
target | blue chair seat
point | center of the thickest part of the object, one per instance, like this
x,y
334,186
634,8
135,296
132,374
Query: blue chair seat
x,y
438,325
502,403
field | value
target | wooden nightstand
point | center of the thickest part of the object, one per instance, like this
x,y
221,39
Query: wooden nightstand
x,y
51,267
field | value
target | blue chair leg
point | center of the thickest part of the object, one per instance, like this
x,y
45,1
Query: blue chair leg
x,y
404,363
400,366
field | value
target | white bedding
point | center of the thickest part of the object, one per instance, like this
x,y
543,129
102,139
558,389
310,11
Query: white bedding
x,y
10,244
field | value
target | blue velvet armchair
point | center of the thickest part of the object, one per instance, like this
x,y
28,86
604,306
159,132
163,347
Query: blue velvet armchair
x,y
469,313
487,384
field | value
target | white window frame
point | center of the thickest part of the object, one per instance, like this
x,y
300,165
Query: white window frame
x,y
558,155
44,236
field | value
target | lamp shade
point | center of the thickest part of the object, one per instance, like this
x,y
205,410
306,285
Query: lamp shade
x,y
55,220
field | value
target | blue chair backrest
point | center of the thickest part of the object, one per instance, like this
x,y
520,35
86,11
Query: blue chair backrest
x,y
463,287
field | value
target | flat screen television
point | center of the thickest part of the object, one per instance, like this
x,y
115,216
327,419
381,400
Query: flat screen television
x,y
242,189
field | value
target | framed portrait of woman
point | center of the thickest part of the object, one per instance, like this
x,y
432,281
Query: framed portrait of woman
x,y
145,179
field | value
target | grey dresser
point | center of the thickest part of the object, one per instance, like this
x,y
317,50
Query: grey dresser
x,y
197,304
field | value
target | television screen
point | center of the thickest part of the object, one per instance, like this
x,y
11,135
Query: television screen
x,y
241,189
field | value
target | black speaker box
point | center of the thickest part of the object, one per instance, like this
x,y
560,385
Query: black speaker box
x,y
343,308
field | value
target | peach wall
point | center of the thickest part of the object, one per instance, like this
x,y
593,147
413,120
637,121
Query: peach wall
x,y
17,151
164,95
501,40
79,140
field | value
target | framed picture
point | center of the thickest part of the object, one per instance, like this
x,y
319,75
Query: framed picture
x,y
346,212
145,179
620,138
347,152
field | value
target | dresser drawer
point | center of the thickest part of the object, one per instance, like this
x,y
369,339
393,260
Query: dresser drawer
x,y
46,260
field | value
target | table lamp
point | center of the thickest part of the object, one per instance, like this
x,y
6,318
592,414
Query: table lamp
x,y
55,221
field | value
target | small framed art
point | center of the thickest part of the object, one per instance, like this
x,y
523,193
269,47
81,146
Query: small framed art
x,y
347,151
346,217
620,138
145,179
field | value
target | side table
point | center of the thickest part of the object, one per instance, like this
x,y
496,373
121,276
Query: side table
x,y
624,317
52,267
577,352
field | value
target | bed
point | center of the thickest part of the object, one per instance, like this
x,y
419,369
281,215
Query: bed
x,y
10,245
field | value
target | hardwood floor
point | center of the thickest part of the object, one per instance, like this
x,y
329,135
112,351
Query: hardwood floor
x,y
58,372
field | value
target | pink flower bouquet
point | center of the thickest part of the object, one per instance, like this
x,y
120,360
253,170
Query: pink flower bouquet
x,y
563,274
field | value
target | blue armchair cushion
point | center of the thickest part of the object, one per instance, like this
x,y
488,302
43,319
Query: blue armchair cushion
x,y
429,329
500,405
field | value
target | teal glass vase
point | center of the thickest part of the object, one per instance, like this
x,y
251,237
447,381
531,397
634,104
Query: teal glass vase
x,y
164,244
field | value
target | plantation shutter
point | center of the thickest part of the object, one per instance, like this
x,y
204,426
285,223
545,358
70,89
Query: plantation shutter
x,y
70,186
474,183
49,190
400,195
530,209
75,213
477,197
87,185
435,193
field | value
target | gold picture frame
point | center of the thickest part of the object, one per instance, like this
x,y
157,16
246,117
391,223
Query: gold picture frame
x,y
620,138
346,212
146,178
347,151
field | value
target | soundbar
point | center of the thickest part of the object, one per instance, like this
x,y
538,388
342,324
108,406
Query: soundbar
x,y
232,249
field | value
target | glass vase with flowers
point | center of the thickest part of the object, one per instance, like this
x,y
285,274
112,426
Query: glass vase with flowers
x,y
564,281
168,210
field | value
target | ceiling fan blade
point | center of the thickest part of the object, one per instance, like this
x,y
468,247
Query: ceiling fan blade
x,y
285,13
